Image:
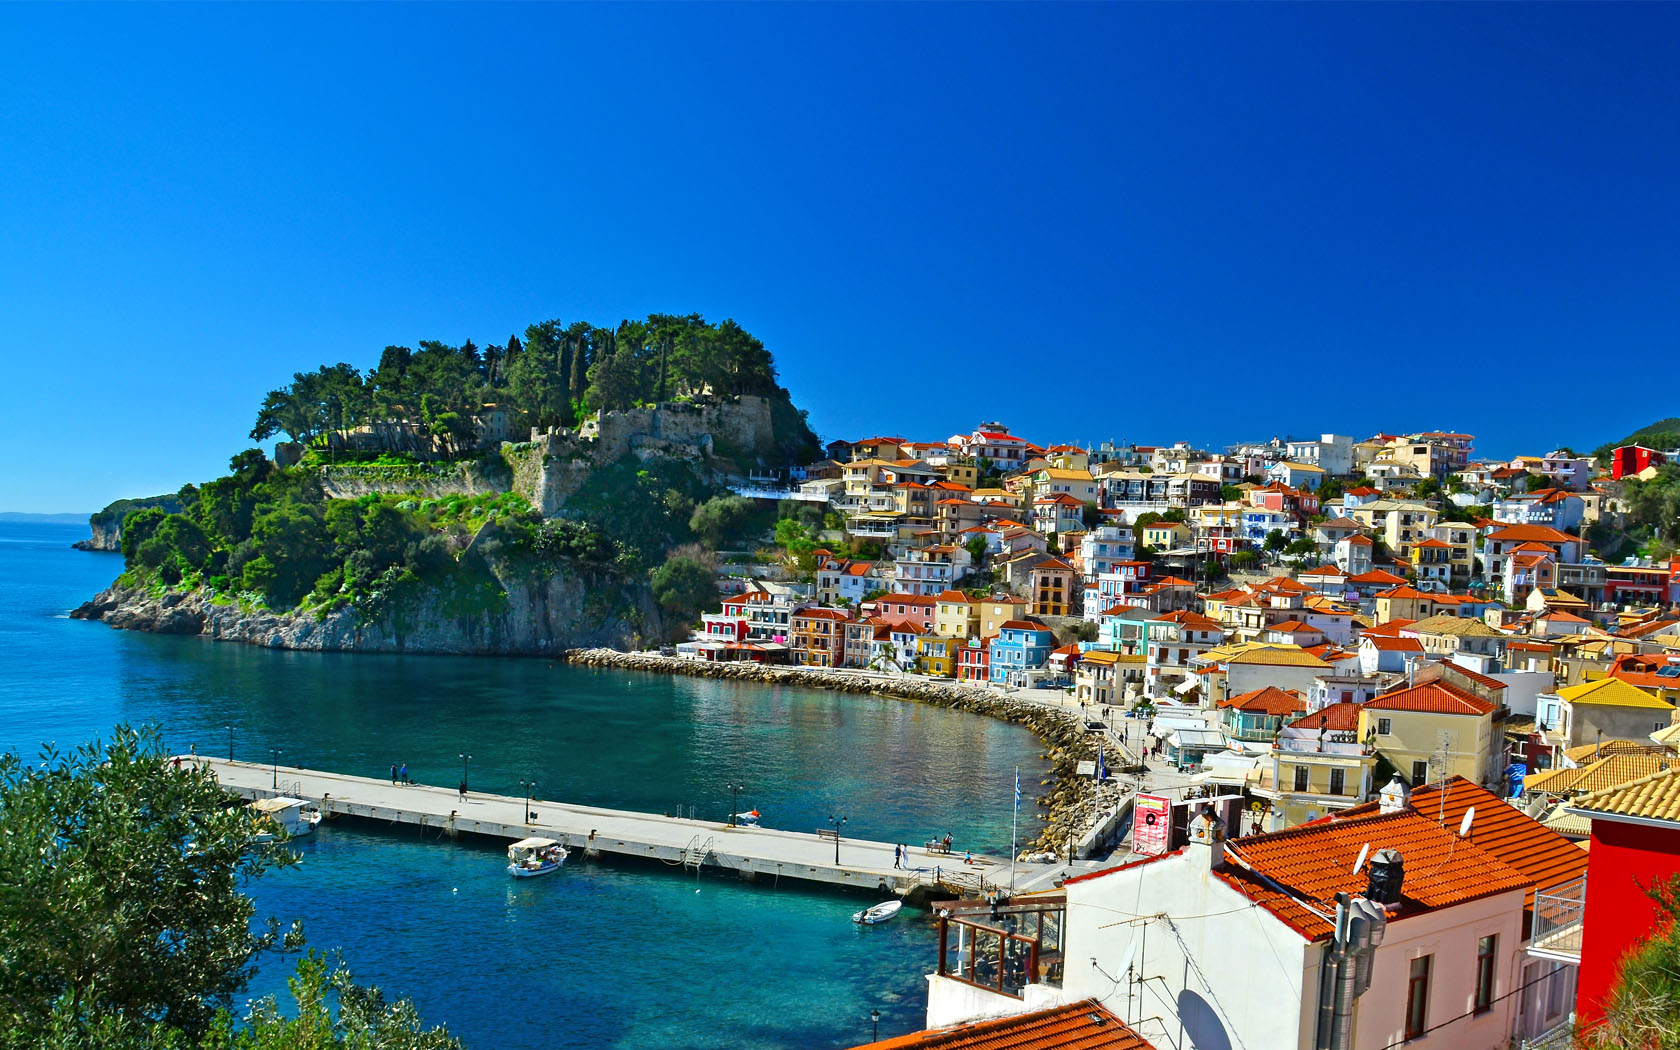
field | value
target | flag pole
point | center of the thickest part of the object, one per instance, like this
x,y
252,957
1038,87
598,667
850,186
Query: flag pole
x,y
1014,822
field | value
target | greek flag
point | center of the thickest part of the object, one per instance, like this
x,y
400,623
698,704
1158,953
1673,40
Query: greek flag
x,y
1017,788
1102,766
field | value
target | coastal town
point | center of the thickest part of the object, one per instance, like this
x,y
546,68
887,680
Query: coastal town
x,y
1377,713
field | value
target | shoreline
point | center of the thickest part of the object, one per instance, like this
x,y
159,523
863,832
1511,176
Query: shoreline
x,y
1073,804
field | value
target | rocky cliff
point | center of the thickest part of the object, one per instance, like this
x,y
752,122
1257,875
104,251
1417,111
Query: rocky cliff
x,y
106,525
528,618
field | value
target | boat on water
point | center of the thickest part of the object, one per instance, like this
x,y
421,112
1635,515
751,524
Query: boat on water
x,y
285,817
878,914
529,858
749,819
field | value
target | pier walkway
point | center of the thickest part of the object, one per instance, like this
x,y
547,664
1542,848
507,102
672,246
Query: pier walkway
x,y
700,844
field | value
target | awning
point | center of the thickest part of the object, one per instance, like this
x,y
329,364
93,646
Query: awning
x,y
1186,685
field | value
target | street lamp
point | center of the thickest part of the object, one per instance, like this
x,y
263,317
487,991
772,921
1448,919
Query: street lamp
x,y
875,1022
837,822
277,754
528,786
465,760
734,803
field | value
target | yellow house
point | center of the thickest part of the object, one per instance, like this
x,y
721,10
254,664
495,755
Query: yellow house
x,y
1611,708
937,656
963,472
998,610
956,615
1000,496
1318,766
1101,676
1165,535
1436,730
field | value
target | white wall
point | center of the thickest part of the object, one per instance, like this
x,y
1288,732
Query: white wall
x,y
1242,678
1218,973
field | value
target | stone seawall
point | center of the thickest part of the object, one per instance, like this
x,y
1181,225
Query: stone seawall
x,y
1073,804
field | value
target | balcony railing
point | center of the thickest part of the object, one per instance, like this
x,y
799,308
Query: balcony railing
x,y
1558,925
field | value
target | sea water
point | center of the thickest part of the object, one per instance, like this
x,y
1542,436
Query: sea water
x,y
603,953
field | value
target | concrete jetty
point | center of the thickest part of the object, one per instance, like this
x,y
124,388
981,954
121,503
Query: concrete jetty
x,y
754,853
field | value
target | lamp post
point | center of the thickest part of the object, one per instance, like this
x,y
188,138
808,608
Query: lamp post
x,y
277,754
734,803
230,741
466,760
875,1024
838,822
528,786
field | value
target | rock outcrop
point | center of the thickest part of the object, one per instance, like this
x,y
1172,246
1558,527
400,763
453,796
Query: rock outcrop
x,y
1073,804
542,617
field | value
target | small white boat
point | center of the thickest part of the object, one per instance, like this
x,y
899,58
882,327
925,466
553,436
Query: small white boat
x,y
749,819
529,858
879,913
285,818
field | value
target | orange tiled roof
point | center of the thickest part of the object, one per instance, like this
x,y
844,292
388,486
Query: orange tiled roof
x,y
1534,533
1342,716
1384,644
1433,697
1268,700
1539,853
1316,861
1083,1025
1377,576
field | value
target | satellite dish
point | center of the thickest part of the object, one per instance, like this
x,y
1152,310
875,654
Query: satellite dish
x,y
1464,825
1126,959
1364,851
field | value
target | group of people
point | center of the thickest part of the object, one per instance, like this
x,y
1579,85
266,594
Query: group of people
x,y
399,774
901,852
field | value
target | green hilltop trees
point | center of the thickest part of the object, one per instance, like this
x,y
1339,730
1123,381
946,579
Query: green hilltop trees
x,y
423,400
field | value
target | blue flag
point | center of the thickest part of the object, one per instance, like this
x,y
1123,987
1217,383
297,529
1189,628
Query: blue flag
x,y
1017,787
1102,766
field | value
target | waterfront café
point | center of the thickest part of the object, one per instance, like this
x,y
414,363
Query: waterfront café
x,y
718,651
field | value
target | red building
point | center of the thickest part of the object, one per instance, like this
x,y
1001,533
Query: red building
x,y
1631,459
974,661
1635,843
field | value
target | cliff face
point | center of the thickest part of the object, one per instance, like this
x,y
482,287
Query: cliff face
x,y
106,525
537,618
107,536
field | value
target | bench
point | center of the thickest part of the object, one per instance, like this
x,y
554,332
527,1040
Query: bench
x,y
937,846
828,835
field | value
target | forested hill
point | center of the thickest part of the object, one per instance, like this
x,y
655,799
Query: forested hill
x,y
421,499
553,377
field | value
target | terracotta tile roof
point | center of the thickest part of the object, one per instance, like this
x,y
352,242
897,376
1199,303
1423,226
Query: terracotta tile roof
x,y
1391,629
1361,541
1342,716
1377,577
1587,752
1279,658
1268,700
1433,697
1291,626
1656,797
1613,692
952,597
1022,625
1316,862
1323,570
1532,533
1538,852
1385,644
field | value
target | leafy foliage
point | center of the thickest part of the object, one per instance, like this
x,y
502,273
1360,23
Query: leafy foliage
x,y
1663,434
120,892
684,588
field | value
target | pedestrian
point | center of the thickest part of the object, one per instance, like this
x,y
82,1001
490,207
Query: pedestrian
x,y
177,761
403,772
393,772
968,858
898,855
463,791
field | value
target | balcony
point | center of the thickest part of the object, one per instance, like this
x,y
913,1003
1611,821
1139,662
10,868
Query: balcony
x,y
1558,916
1001,946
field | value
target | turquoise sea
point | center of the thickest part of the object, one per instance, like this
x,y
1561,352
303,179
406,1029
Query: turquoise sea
x,y
605,953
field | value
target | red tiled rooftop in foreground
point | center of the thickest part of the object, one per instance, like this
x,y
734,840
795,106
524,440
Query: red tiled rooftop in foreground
x,y
1434,697
1316,861
1083,1025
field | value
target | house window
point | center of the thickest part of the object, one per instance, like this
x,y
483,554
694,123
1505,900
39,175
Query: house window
x,y
1385,726
1484,974
1338,781
1420,773
1300,778
1417,997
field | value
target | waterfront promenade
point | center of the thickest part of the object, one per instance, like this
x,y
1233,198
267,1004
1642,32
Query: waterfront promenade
x,y
710,846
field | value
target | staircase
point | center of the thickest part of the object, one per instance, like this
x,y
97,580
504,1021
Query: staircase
x,y
696,852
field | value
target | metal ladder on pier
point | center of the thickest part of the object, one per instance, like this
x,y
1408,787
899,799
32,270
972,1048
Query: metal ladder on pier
x,y
696,852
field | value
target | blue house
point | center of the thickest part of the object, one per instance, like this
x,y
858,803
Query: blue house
x,y
1020,646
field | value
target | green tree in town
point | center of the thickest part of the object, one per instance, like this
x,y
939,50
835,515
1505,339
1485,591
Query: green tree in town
x,y
684,588
721,518
1275,542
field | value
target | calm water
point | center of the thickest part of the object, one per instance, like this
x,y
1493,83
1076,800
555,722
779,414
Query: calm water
x,y
602,954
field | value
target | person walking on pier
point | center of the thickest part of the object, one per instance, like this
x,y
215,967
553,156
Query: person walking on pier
x,y
463,791
403,772
898,856
393,772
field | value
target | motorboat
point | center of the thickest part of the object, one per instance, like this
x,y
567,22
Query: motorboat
x,y
285,817
749,819
878,914
529,858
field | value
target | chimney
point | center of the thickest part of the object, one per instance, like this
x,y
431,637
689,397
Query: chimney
x,y
1207,839
1395,797
1387,873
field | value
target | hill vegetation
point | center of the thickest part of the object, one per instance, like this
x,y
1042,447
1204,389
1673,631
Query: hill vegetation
x,y
273,535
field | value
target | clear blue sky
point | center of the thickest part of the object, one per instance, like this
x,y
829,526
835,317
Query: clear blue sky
x,y
1092,221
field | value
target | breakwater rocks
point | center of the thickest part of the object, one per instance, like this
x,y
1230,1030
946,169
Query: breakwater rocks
x,y
1073,804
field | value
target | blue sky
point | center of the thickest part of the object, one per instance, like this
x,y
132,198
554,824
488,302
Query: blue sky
x,y
1139,222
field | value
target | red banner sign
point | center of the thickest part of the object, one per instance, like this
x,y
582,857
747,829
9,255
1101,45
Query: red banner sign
x,y
1151,825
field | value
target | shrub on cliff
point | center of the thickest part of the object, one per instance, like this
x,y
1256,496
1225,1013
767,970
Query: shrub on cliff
x,y
684,588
